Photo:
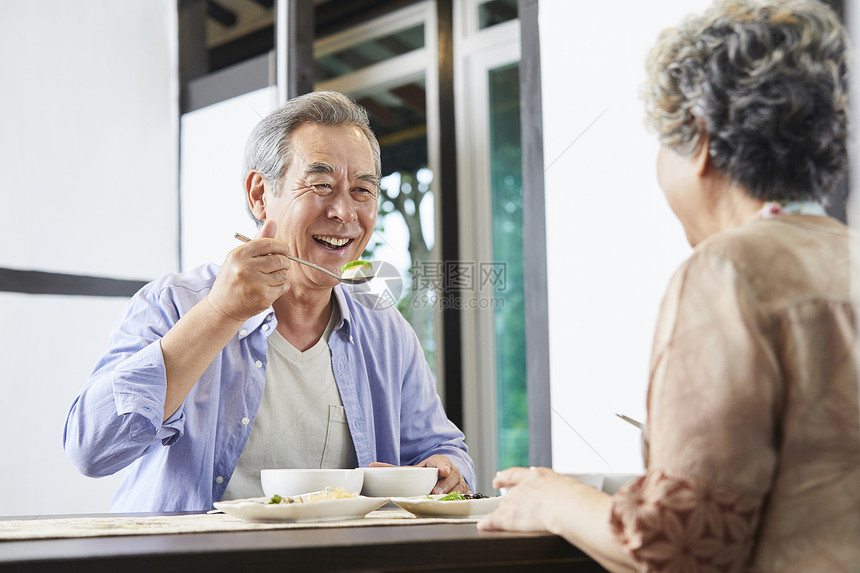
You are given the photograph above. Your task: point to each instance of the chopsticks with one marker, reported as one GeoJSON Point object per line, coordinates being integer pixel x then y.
{"type": "Point", "coordinates": [630, 421]}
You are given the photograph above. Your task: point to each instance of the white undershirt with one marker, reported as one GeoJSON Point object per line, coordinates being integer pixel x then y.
{"type": "Point", "coordinates": [301, 421]}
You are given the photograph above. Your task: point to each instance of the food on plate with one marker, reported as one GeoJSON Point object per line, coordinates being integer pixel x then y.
{"type": "Point", "coordinates": [452, 505]}
{"type": "Point", "coordinates": [356, 270]}
{"type": "Point", "coordinates": [326, 495]}
{"type": "Point", "coordinates": [457, 496]}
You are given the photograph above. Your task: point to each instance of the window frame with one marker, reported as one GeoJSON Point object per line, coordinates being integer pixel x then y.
{"type": "Point", "coordinates": [476, 53]}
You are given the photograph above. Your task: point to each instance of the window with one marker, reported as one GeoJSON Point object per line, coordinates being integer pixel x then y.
{"type": "Point", "coordinates": [488, 140]}
{"type": "Point", "coordinates": [388, 65]}
{"type": "Point", "coordinates": [495, 12]}
{"type": "Point", "coordinates": [506, 199]}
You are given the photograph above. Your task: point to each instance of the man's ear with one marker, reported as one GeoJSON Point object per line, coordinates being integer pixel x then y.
{"type": "Point", "coordinates": [255, 188]}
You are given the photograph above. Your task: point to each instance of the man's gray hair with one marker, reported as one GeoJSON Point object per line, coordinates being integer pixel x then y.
{"type": "Point", "coordinates": [269, 148]}
{"type": "Point", "coordinates": [766, 83]}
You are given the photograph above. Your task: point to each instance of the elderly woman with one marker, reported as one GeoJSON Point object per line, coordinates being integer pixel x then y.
{"type": "Point", "coordinates": [752, 444]}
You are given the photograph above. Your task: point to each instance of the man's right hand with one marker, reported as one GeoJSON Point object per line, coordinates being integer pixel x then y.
{"type": "Point", "coordinates": [253, 276]}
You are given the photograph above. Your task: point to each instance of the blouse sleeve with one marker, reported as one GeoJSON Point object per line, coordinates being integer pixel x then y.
{"type": "Point", "coordinates": [713, 400]}
{"type": "Point", "coordinates": [685, 523]}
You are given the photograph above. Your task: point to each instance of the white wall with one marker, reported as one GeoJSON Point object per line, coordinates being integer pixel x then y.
{"type": "Point", "coordinates": [213, 205]}
{"type": "Point", "coordinates": [612, 242]}
{"type": "Point", "coordinates": [88, 176]}
{"type": "Point", "coordinates": [47, 349]}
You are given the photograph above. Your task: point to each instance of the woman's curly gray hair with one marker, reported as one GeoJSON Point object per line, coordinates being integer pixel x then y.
{"type": "Point", "coordinates": [269, 149]}
{"type": "Point", "coordinates": [765, 83]}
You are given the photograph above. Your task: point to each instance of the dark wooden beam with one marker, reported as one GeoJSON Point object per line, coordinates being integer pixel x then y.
{"type": "Point", "coordinates": [301, 49]}
{"type": "Point", "coordinates": [241, 78]}
{"type": "Point", "coordinates": [449, 211]}
{"type": "Point", "coordinates": [380, 113]}
{"type": "Point", "coordinates": [193, 58]}
{"type": "Point", "coordinates": [413, 95]}
{"type": "Point", "coordinates": [220, 14]}
{"type": "Point", "coordinates": [242, 49]}
{"type": "Point", "coordinates": [40, 282]}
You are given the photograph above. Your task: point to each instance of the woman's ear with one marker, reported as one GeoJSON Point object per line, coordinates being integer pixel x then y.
{"type": "Point", "coordinates": [702, 158]}
{"type": "Point", "coordinates": [255, 187]}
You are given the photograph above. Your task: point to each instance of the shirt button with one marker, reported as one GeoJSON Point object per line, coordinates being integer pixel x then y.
{"type": "Point", "coordinates": [268, 317]}
{"type": "Point", "coordinates": [246, 421]}
{"type": "Point", "coordinates": [219, 479]}
{"type": "Point", "coordinates": [265, 327]}
{"type": "Point", "coordinates": [258, 364]}
{"type": "Point", "coordinates": [243, 332]}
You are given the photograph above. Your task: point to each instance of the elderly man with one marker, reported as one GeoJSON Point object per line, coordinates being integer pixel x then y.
{"type": "Point", "coordinates": [214, 374]}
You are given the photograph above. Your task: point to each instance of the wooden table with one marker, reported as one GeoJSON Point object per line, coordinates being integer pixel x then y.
{"type": "Point", "coordinates": [449, 547]}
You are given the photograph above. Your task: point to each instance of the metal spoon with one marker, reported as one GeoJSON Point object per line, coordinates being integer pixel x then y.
{"type": "Point", "coordinates": [355, 281]}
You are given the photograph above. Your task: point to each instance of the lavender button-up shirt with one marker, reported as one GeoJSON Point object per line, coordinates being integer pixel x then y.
{"type": "Point", "coordinates": [185, 462]}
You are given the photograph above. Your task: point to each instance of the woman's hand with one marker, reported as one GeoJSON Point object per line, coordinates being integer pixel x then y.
{"type": "Point", "coordinates": [533, 497]}
{"type": "Point", "coordinates": [539, 499]}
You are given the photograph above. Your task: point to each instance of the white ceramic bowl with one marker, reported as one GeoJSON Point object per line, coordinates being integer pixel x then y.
{"type": "Point", "coordinates": [404, 481]}
{"type": "Point", "coordinates": [609, 483]}
{"type": "Point", "coordinates": [288, 482]}
{"type": "Point", "coordinates": [613, 482]}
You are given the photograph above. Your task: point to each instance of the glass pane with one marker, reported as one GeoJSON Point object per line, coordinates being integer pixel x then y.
{"type": "Point", "coordinates": [509, 306]}
{"type": "Point", "coordinates": [211, 151]}
{"type": "Point", "coordinates": [495, 12]}
{"type": "Point", "coordinates": [368, 53]}
{"type": "Point", "coordinates": [404, 233]}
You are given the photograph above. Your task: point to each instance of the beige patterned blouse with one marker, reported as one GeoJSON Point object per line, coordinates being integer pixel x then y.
{"type": "Point", "coordinates": [753, 440]}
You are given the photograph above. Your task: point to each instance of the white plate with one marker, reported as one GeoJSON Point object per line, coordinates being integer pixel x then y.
{"type": "Point", "coordinates": [424, 507]}
{"type": "Point", "coordinates": [259, 509]}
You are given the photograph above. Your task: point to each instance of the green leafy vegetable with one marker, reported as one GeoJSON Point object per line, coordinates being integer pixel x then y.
{"type": "Point", "coordinates": [354, 264]}
{"type": "Point", "coordinates": [276, 499]}
{"type": "Point", "coordinates": [453, 496]}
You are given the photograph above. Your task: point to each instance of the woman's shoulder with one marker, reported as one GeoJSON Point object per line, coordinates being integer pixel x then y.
{"type": "Point", "coordinates": [798, 239]}
{"type": "Point", "coordinates": [780, 260]}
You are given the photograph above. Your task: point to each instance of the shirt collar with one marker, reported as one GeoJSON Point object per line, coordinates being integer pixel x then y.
{"type": "Point", "coordinates": [345, 316]}
{"type": "Point", "coordinates": [268, 316]}
{"type": "Point", "coordinates": [265, 317]}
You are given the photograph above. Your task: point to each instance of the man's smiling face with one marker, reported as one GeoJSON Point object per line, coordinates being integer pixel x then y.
{"type": "Point", "coordinates": [327, 206]}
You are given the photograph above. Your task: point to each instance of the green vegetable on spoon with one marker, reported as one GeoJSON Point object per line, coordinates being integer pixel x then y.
{"type": "Point", "coordinates": [355, 270]}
